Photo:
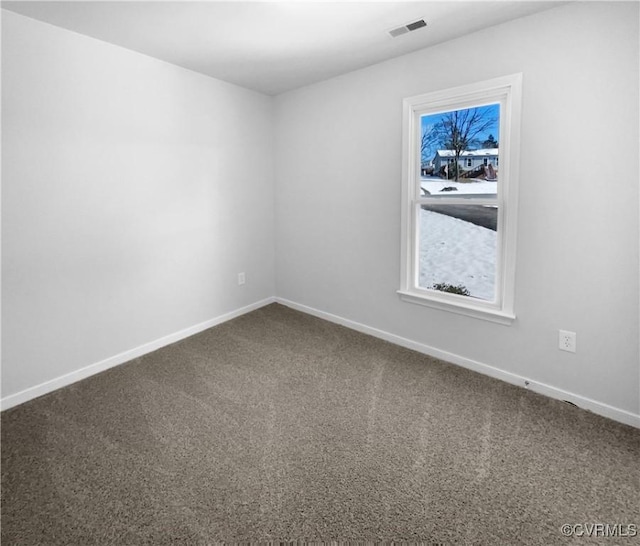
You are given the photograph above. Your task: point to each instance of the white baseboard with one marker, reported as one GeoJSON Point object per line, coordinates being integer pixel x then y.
{"type": "Point", "coordinates": [599, 408]}
{"type": "Point", "coordinates": [616, 414]}
{"type": "Point", "coordinates": [92, 369]}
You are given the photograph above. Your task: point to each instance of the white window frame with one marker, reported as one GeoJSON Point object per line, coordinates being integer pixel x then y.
{"type": "Point", "coordinates": [507, 91]}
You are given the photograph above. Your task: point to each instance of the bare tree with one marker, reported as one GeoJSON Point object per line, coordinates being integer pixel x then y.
{"type": "Point", "coordinates": [491, 142]}
{"type": "Point", "coordinates": [430, 136]}
{"type": "Point", "coordinates": [460, 130]}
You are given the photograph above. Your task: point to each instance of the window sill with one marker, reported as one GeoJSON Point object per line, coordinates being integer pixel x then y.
{"type": "Point", "coordinates": [493, 315]}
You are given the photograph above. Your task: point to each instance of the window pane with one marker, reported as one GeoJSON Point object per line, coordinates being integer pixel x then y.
{"type": "Point", "coordinates": [459, 151]}
{"type": "Point", "coordinates": [458, 249]}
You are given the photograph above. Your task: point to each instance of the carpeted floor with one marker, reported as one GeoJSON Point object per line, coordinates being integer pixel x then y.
{"type": "Point", "coordinates": [281, 426]}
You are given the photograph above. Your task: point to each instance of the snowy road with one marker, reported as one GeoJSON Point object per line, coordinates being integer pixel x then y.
{"type": "Point", "coordinates": [476, 214]}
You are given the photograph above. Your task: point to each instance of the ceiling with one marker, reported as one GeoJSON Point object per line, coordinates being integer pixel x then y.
{"type": "Point", "coordinates": [273, 47]}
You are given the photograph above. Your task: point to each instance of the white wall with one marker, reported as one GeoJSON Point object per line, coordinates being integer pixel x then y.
{"type": "Point", "coordinates": [338, 177]}
{"type": "Point", "coordinates": [133, 192]}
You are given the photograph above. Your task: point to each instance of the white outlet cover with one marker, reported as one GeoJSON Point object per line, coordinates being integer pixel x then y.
{"type": "Point", "coordinates": [567, 341]}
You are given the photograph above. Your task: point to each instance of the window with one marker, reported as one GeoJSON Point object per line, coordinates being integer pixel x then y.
{"type": "Point", "coordinates": [459, 225]}
{"type": "Point", "coordinates": [469, 162]}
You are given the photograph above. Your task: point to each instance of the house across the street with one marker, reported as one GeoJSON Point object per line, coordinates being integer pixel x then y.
{"type": "Point", "coordinates": [469, 159]}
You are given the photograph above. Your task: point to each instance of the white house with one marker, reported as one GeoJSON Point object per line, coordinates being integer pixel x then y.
{"type": "Point", "coordinates": [469, 159]}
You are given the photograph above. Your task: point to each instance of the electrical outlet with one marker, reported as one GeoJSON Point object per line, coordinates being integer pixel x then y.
{"type": "Point", "coordinates": [567, 341]}
{"type": "Point", "coordinates": [241, 279]}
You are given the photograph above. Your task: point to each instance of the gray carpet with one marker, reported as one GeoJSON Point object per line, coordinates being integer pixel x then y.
{"type": "Point", "coordinates": [281, 426]}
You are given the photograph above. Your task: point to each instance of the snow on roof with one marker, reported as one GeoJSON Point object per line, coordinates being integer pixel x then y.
{"type": "Point", "coordinates": [468, 153]}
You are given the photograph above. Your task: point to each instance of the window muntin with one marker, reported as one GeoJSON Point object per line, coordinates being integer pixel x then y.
{"type": "Point", "coordinates": [458, 239]}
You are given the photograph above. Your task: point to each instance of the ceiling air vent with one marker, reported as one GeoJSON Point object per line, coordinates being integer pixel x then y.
{"type": "Point", "coordinates": [409, 27]}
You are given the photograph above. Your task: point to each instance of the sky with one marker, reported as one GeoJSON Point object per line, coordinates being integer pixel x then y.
{"type": "Point", "coordinates": [493, 110]}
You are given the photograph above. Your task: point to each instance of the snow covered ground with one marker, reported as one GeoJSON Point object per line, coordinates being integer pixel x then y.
{"type": "Point", "coordinates": [457, 252]}
{"type": "Point", "coordinates": [434, 186]}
